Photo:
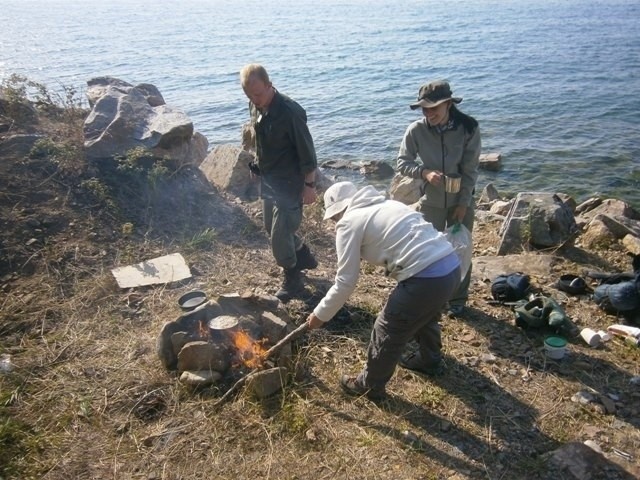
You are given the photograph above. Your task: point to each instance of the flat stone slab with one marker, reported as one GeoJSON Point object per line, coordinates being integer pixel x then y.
{"type": "Point", "coordinates": [166, 269]}
{"type": "Point", "coordinates": [489, 267]}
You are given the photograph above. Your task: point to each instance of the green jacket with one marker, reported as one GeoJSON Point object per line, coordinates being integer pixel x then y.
{"type": "Point", "coordinates": [456, 150]}
{"type": "Point", "coordinates": [284, 149]}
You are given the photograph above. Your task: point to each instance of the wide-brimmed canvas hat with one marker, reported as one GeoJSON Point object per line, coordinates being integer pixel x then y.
{"type": "Point", "coordinates": [337, 198]}
{"type": "Point", "coordinates": [433, 94]}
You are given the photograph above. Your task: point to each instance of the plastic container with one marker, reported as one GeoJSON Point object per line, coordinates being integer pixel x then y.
{"type": "Point", "coordinates": [591, 337]}
{"type": "Point", "coordinates": [606, 336]}
{"type": "Point", "coordinates": [555, 347]}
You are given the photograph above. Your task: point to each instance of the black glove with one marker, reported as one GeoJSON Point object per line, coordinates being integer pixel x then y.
{"type": "Point", "coordinates": [253, 167]}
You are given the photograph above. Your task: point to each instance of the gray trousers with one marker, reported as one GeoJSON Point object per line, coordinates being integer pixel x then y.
{"type": "Point", "coordinates": [441, 218]}
{"type": "Point", "coordinates": [282, 223]}
{"type": "Point", "coordinates": [412, 311]}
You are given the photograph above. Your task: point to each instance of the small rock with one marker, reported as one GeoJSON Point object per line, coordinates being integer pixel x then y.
{"type": "Point", "coordinates": [593, 445]}
{"type": "Point", "coordinates": [609, 405]}
{"type": "Point", "coordinates": [268, 382]}
{"type": "Point", "coordinates": [6, 366]}
{"type": "Point", "coordinates": [488, 358]}
{"type": "Point", "coordinates": [410, 436]}
{"type": "Point", "coordinates": [200, 378]}
{"type": "Point", "coordinates": [583, 397]}
{"type": "Point", "coordinates": [31, 241]}
{"type": "Point", "coordinates": [311, 435]}
{"type": "Point", "coordinates": [468, 336]}
{"type": "Point", "coordinates": [445, 425]}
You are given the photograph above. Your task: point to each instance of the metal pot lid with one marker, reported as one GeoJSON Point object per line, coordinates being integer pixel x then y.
{"type": "Point", "coordinates": [223, 322]}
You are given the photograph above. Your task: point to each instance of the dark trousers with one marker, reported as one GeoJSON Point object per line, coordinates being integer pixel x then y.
{"type": "Point", "coordinates": [412, 311]}
{"type": "Point", "coordinates": [281, 223]}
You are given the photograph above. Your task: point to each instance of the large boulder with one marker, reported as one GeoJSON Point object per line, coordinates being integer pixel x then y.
{"type": "Point", "coordinates": [606, 222]}
{"type": "Point", "coordinates": [538, 220]}
{"type": "Point", "coordinates": [405, 189]}
{"type": "Point", "coordinates": [124, 117]}
{"type": "Point", "coordinates": [98, 86]}
{"type": "Point", "coordinates": [227, 167]}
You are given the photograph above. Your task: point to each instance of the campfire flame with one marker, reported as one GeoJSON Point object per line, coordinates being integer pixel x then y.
{"type": "Point", "coordinates": [249, 351]}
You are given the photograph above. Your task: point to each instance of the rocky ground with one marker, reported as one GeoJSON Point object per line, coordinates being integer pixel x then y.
{"type": "Point", "coordinates": [83, 395]}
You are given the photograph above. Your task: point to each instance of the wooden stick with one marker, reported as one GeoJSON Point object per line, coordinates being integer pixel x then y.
{"type": "Point", "coordinates": [236, 386]}
{"type": "Point", "coordinates": [268, 354]}
{"type": "Point", "coordinates": [287, 338]}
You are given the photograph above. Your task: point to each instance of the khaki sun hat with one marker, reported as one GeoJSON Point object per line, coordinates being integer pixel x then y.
{"type": "Point", "coordinates": [433, 94]}
{"type": "Point", "coordinates": [337, 198]}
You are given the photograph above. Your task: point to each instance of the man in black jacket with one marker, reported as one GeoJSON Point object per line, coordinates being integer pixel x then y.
{"type": "Point", "coordinates": [287, 167]}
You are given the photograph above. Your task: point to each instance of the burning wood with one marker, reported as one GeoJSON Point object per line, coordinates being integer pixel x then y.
{"type": "Point", "coordinates": [249, 351]}
{"type": "Point", "coordinates": [261, 361]}
{"type": "Point", "coordinates": [288, 338]}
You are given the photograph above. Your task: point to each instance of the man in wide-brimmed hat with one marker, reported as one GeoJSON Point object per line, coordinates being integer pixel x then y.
{"type": "Point", "coordinates": [444, 143]}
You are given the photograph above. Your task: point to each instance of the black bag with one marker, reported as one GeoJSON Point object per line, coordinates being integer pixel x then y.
{"type": "Point", "coordinates": [510, 287]}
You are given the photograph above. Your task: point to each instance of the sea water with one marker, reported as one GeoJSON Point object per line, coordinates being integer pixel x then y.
{"type": "Point", "coordinates": [555, 85]}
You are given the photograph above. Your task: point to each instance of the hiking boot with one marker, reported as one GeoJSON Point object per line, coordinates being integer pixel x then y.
{"type": "Point", "coordinates": [291, 286]}
{"type": "Point", "coordinates": [304, 259]}
{"type": "Point", "coordinates": [413, 361]}
{"type": "Point", "coordinates": [351, 386]}
{"type": "Point", "coordinates": [455, 311]}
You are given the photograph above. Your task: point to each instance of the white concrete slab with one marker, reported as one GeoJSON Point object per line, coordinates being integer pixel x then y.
{"type": "Point", "coordinates": [166, 269]}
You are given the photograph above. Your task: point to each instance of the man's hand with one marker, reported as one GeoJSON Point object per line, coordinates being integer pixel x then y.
{"type": "Point", "coordinates": [309, 195]}
{"type": "Point", "coordinates": [314, 322]}
{"type": "Point", "coordinates": [460, 212]}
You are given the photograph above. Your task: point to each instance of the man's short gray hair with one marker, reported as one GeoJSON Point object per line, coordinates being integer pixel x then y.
{"type": "Point", "coordinates": [253, 70]}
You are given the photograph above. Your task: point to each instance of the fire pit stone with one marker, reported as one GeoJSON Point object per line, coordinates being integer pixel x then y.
{"type": "Point", "coordinates": [273, 327]}
{"type": "Point", "coordinates": [202, 355]}
{"type": "Point", "coordinates": [266, 383]}
{"type": "Point", "coordinates": [200, 378]}
{"type": "Point", "coordinates": [189, 344]}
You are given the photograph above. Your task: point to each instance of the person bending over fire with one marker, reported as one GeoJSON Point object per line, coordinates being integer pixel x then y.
{"type": "Point", "coordinates": [391, 234]}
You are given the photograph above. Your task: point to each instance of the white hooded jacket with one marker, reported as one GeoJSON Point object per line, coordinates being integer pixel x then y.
{"type": "Point", "coordinates": [382, 232]}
